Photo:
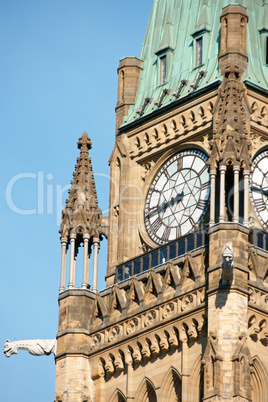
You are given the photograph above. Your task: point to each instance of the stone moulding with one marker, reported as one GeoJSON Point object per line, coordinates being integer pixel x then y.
{"type": "Point", "coordinates": [258, 298]}
{"type": "Point", "coordinates": [151, 318]}
{"type": "Point", "coordinates": [199, 117]}
{"type": "Point", "coordinates": [148, 345]}
{"type": "Point", "coordinates": [257, 327]}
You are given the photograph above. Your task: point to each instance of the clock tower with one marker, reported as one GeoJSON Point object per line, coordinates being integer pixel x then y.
{"type": "Point", "coordinates": [184, 315]}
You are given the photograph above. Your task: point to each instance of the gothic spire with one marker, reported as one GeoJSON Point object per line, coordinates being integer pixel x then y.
{"type": "Point", "coordinates": [82, 214]}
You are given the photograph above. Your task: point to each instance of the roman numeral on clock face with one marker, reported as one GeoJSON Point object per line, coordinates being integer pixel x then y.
{"type": "Point", "coordinates": [166, 234]}
{"type": "Point", "coordinates": [260, 205]}
{"type": "Point", "coordinates": [180, 163]}
{"type": "Point", "coordinates": [205, 185]}
{"type": "Point", "coordinates": [202, 204]}
{"type": "Point", "coordinates": [156, 225]}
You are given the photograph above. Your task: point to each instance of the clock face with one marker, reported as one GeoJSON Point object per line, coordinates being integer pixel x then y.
{"type": "Point", "coordinates": [178, 196]}
{"type": "Point", "coordinates": [259, 187]}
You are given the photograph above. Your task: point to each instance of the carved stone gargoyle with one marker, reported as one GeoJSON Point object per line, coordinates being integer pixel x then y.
{"type": "Point", "coordinates": [227, 265]}
{"type": "Point", "coordinates": [36, 347]}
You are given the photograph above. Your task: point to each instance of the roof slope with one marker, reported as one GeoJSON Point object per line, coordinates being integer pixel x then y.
{"type": "Point", "coordinates": [172, 29]}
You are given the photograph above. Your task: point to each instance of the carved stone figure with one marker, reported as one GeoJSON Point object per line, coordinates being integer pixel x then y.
{"type": "Point", "coordinates": [227, 264]}
{"type": "Point", "coordinates": [36, 347]}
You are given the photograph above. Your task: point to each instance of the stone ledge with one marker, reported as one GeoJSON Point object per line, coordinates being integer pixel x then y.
{"type": "Point", "coordinates": [71, 353]}
{"type": "Point", "coordinates": [260, 309]}
{"type": "Point", "coordinates": [219, 266]}
{"type": "Point", "coordinates": [77, 292]}
{"type": "Point", "coordinates": [231, 289]}
{"type": "Point", "coordinates": [72, 331]}
{"type": "Point", "coordinates": [229, 226]}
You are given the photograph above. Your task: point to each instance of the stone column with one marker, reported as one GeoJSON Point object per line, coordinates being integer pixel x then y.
{"type": "Point", "coordinates": [86, 262]}
{"type": "Point", "coordinates": [130, 383]}
{"type": "Point", "coordinates": [222, 193]}
{"type": "Point", "coordinates": [63, 264]}
{"type": "Point", "coordinates": [236, 194]}
{"type": "Point", "coordinates": [212, 197]}
{"type": "Point", "coordinates": [246, 195]}
{"type": "Point", "coordinates": [72, 261]}
{"type": "Point", "coordinates": [227, 302]}
{"type": "Point", "coordinates": [96, 246]}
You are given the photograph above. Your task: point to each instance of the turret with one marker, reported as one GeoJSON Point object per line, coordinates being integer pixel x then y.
{"type": "Point", "coordinates": [234, 21]}
{"type": "Point", "coordinates": [81, 220]}
{"type": "Point", "coordinates": [128, 79]}
{"type": "Point", "coordinates": [230, 158]}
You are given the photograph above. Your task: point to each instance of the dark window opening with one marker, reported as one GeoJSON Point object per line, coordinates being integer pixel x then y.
{"type": "Point", "coordinates": [145, 263]}
{"type": "Point", "coordinates": [172, 251]}
{"type": "Point", "coordinates": [266, 51]}
{"type": "Point", "coordinates": [260, 240]}
{"type": "Point", "coordinates": [137, 267]}
{"type": "Point", "coordinates": [154, 259]}
{"type": "Point", "coordinates": [190, 243]}
{"type": "Point", "coordinates": [163, 255]}
{"type": "Point", "coordinates": [163, 69]}
{"type": "Point", "coordinates": [199, 51]}
{"type": "Point", "coordinates": [181, 247]}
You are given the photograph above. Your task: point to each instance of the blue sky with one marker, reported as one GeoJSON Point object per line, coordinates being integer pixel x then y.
{"type": "Point", "coordinates": [58, 79]}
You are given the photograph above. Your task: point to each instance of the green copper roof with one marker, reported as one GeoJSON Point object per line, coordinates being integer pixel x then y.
{"type": "Point", "coordinates": [172, 30]}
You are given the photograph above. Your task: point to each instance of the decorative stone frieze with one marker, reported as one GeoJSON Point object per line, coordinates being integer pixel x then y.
{"type": "Point", "coordinates": [259, 113]}
{"type": "Point", "coordinates": [258, 298]}
{"type": "Point", "coordinates": [152, 318]}
{"type": "Point", "coordinates": [257, 328]}
{"type": "Point", "coordinates": [183, 123]}
{"type": "Point", "coordinates": [149, 345]}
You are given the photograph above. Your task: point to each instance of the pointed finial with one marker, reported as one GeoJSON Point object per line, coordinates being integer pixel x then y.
{"type": "Point", "coordinates": [84, 143]}
{"type": "Point", "coordinates": [203, 21]}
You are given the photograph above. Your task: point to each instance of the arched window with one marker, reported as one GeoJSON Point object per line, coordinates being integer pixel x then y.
{"type": "Point", "coordinates": [146, 392]}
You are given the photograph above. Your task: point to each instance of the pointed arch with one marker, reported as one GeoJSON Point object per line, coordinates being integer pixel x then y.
{"type": "Point", "coordinates": [191, 116]}
{"type": "Point", "coordinates": [201, 112]}
{"type": "Point", "coordinates": [259, 381]}
{"type": "Point", "coordinates": [264, 113]}
{"type": "Point", "coordinates": [146, 391]}
{"type": "Point", "coordinates": [118, 396]}
{"type": "Point", "coordinates": [210, 108]}
{"type": "Point", "coordinates": [255, 108]}
{"type": "Point", "coordinates": [164, 129]}
{"type": "Point", "coordinates": [182, 121]}
{"type": "Point", "coordinates": [121, 86]}
{"type": "Point", "coordinates": [173, 125]}
{"type": "Point", "coordinates": [196, 382]}
{"type": "Point", "coordinates": [137, 142]}
{"type": "Point", "coordinates": [171, 386]}
{"type": "Point", "coordinates": [146, 138]}
{"type": "Point", "coordinates": [155, 134]}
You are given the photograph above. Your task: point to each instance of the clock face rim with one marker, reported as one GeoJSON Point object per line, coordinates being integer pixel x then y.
{"type": "Point", "coordinates": [257, 207]}
{"type": "Point", "coordinates": [157, 172]}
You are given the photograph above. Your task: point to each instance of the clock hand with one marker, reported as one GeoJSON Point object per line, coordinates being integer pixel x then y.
{"type": "Point", "coordinates": [164, 206]}
{"type": "Point", "coordinates": [260, 190]}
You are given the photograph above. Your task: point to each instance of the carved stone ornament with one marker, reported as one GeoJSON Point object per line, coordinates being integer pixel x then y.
{"type": "Point", "coordinates": [114, 333]}
{"type": "Point", "coordinates": [187, 302]}
{"type": "Point", "coordinates": [168, 310]}
{"type": "Point", "coordinates": [132, 326]}
{"type": "Point", "coordinates": [36, 347]}
{"type": "Point", "coordinates": [150, 318]}
{"type": "Point", "coordinates": [258, 297]}
{"type": "Point", "coordinates": [227, 264]}
{"type": "Point", "coordinates": [96, 341]}
{"type": "Point", "coordinates": [257, 141]}
{"type": "Point", "coordinates": [146, 168]}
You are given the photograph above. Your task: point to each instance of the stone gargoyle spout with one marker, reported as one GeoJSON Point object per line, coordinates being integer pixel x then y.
{"type": "Point", "coordinates": [36, 347]}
